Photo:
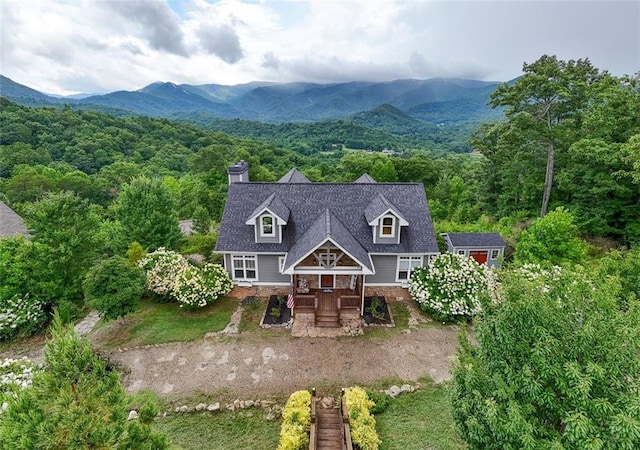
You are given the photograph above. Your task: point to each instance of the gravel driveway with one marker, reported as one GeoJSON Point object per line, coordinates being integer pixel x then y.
{"type": "Point", "coordinates": [249, 365]}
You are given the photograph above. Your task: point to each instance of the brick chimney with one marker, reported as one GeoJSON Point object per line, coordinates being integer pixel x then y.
{"type": "Point", "coordinates": [238, 172]}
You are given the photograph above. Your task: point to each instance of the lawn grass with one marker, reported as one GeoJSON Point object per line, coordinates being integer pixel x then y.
{"type": "Point", "coordinates": [225, 430]}
{"type": "Point", "coordinates": [157, 323]}
{"type": "Point", "coordinates": [252, 315]}
{"type": "Point", "coordinates": [412, 421]}
{"type": "Point", "coordinates": [418, 421]}
{"type": "Point", "coordinates": [400, 315]}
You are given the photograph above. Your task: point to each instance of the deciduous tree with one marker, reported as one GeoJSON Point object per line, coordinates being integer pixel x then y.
{"type": "Point", "coordinates": [552, 368]}
{"type": "Point", "coordinates": [146, 210]}
{"type": "Point", "coordinates": [113, 287]}
{"type": "Point", "coordinates": [546, 103]}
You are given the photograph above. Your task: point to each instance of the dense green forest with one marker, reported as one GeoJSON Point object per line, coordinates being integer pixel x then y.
{"type": "Point", "coordinates": [384, 127]}
{"type": "Point", "coordinates": [593, 129]}
{"type": "Point", "coordinates": [558, 176]}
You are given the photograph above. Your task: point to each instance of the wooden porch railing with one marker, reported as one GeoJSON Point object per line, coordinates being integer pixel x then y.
{"type": "Point", "coordinates": [313, 432]}
{"type": "Point", "coordinates": [345, 420]}
{"type": "Point", "coordinates": [349, 301]}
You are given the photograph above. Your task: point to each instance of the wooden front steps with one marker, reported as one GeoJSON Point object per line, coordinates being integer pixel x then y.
{"type": "Point", "coordinates": [328, 318]}
{"type": "Point", "coordinates": [329, 424]}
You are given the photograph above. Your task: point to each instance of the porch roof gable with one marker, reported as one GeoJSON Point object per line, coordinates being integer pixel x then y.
{"type": "Point", "coordinates": [327, 227]}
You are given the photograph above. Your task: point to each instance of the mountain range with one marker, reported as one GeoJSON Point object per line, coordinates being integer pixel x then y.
{"type": "Point", "coordinates": [400, 108]}
{"type": "Point", "coordinates": [427, 100]}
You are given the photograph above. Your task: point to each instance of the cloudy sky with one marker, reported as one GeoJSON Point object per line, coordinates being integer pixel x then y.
{"type": "Point", "coordinates": [70, 46]}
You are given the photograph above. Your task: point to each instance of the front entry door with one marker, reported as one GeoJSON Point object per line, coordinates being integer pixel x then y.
{"type": "Point", "coordinates": [327, 281]}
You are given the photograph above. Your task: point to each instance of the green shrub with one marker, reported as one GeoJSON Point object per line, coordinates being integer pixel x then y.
{"type": "Point", "coordinates": [380, 401]}
{"type": "Point", "coordinates": [296, 422]}
{"type": "Point", "coordinates": [361, 422]}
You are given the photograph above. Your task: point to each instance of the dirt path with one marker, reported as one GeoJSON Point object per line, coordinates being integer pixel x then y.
{"type": "Point", "coordinates": [251, 365]}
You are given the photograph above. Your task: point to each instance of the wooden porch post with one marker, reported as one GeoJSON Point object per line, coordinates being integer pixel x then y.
{"type": "Point", "coordinates": [362, 295]}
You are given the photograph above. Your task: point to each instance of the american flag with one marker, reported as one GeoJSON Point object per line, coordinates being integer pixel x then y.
{"type": "Point", "coordinates": [290, 300]}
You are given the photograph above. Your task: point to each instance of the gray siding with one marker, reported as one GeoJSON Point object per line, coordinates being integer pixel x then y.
{"type": "Point", "coordinates": [385, 266]}
{"type": "Point", "coordinates": [268, 270]}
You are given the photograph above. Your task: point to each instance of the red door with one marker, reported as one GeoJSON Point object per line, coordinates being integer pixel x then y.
{"type": "Point", "coordinates": [326, 281]}
{"type": "Point", "coordinates": [479, 256]}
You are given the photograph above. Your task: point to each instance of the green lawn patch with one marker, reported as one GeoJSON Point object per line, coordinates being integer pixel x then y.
{"type": "Point", "coordinates": [247, 430]}
{"type": "Point", "coordinates": [157, 323]}
{"type": "Point", "coordinates": [252, 315]}
{"type": "Point", "coordinates": [419, 420]}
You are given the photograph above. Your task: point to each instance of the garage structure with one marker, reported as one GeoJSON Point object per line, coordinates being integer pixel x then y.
{"type": "Point", "coordinates": [485, 248]}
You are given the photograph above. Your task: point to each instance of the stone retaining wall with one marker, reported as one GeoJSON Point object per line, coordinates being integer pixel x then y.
{"type": "Point", "coordinates": [258, 291]}
{"type": "Point", "coordinates": [389, 292]}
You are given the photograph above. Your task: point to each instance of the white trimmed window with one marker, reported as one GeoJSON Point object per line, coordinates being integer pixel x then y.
{"type": "Point", "coordinates": [388, 227]}
{"type": "Point", "coordinates": [495, 253]}
{"type": "Point", "coordinates": [267, 226]}
{"type": "Point", "coordinates": [406, 264]}
{"type": "Point", "coordinates": [244, 267]}
{"type": "Point", "coordinates": [462, 252]}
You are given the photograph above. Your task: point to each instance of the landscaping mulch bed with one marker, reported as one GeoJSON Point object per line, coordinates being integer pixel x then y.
{"type": "Point", "coordinates": [282, 317]}
{"type": "Point", "coordinates": [382, 315]}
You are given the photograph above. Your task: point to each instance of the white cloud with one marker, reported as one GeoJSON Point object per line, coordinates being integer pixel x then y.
{"type": "Point", "coordinates": [87, 45]}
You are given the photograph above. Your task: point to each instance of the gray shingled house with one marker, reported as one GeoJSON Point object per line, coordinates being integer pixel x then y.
{"type": "Point", "coordinates": [325, 243]}
{"type": "Point", "coordinates": [485, 248]}
{"type": "Point", "coordinates": [11, 223]}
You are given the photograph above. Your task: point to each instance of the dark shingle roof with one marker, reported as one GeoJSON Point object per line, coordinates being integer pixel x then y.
{"type": "Point", "coordinates": [378, 206]}
{"type": "Point", "coordinates": [346, 201]}
{"type": "Point", "coordinates": [275, 205]}
{"type": "Point", "coordinates": [476, 240]}
{"type": "Point", "coordinates": [327, 226]}
{"type": "Point", "coordinates": [11, 223]}
{"type": "Point", "coordinates": [294, 176]}
{"type": "Point", "coordinates": [365, 178]}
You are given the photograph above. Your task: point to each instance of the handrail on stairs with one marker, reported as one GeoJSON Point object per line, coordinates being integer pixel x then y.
{"type": "Point", "coordinates": [313, 432]}
{"type": "Point", "coordinates": [345, 420]}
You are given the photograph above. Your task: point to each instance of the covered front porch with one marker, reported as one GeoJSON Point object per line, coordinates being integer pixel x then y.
{"type": "Point", "coordinates": [328, 300]}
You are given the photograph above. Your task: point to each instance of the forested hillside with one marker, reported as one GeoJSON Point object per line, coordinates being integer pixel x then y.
{"type": "Point", "coordinates": [594, 127]}
{"type": "Point", "coordinates": [436, 113]}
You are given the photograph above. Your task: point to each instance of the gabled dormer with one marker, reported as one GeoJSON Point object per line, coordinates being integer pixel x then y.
{"type": "Point", "coordinates": [268, 219]}
{"type": "Point", "coordinates": [385, 220]}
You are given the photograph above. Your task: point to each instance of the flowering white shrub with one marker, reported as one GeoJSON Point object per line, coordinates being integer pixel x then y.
{"type": "Point", "coordinates": [169, 274]}
{"type": "Point", "coordinates": [555, 281]}
{"type": "Point", "coordinates": [21, 314]}
{"type": "Point", "coordinates": [450, 288]}
{"type": "Point", "coordinates": [162, 268]}
{"type": "Point", "coordinates": [15, 374]}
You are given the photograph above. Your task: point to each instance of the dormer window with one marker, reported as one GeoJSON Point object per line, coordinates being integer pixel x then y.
{"type": "Point", "coordinates": [388, 227]}
{"type": "Point", "coordinates": [267, 228]}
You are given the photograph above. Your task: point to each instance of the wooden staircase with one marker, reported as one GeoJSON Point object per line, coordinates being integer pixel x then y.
{"type": "Point", "coordinates": [328, 318]}
{"type": "Point", "coordinates": [329, 426]}
{"type": "Point", "coordinates": [330, 429]}
{"type": "Point", "coordinates": [327, 314]}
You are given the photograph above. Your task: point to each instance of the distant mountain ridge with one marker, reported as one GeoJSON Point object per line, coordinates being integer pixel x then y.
{"type": "Point", "coordinates": [280, 102]}
{"type": "Point", "coordinates": [400, 113]}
